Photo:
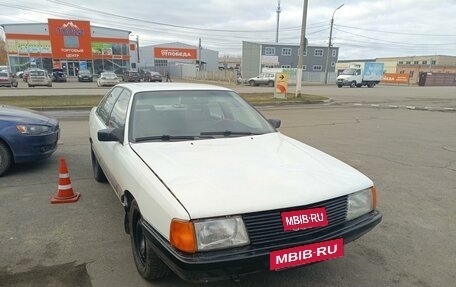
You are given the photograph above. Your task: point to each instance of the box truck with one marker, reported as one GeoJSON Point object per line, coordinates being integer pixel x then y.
{"type": "Point", "coordinates": [361, 74]}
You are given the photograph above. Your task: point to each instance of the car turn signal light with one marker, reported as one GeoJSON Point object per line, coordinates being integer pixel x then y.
{"type": "Point", "coordinates": [182, 235]}
{"type": "Point", "coordinates": [374, 197]}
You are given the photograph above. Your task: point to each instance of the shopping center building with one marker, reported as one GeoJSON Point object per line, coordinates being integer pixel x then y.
{"type": "Point", "coordinates": [71, 45]}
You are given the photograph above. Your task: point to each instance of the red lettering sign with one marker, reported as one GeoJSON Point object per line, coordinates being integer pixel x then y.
{"type": "Point", "coordinates": [305, 254]}
{"type": "Point", "coordinates": [70, 39]}
{"type": "Point", "coordinates": [302, 219]}
{"type": "Point", "coordinates": [175, 53]}
{"type": "Point", "coordinates": [396, 78]}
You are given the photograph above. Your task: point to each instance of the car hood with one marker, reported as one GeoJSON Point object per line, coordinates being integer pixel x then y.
{"type": "Point", "coordinates": [345, 77]}
{"type": "Point", "coordinates": [230, 176]}
{"type": "Point", "coordinates": [24, 116]}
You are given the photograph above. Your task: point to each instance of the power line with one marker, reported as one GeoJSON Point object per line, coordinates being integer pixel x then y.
{"type": "Point", "coordinates": [399, 33]}
{"type": "Point", "coordinates": [394, 42]}
{"type": "Point", "coordinates": [159, 23]}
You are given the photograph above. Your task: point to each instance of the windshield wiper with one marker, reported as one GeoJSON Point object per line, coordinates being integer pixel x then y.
{"type": "Point", "coordinates": [171, 137]}
{"type": "Point", "coordinates": [163, 138]}
{"type": "Point", "coordinates": [227, 133]}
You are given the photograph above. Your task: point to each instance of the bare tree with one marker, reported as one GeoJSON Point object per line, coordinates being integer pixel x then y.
{"type": "Point", "coordinates": [3, 58]}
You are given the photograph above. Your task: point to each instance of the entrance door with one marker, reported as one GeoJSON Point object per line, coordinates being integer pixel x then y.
{"type": "Point", "coordinates": [71, 68]}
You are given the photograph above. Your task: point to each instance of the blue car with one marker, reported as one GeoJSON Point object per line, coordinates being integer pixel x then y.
{"type": "Point", "coordinates": [25, 135]}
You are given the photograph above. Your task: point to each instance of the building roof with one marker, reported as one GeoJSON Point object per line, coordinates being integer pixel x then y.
{"type": "Point", "coordinates": [288, 44]}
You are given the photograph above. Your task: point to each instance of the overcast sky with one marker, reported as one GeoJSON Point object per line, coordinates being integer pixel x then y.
{"type": "Point", "coordinates": [362, 28]}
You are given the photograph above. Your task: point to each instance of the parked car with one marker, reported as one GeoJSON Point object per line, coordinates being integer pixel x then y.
{"type": "Point", "coordinates": [37, 77]}
{"type": "Point", "coordinates": [211, 190]}
{"type": "Point", "coordinates": [262, 79]}
{"type": "Point", "coordinates": [25, 135]}
{"type": "Point", "coordinates": [85, 76]}
{"type": "Point", "coordinates": [58, 75]}
{"type": "Point", "coordinates": [151, 76]}
{"type": "Point", "coordinates": [131, 76]}
{"type": "Point", "coordinates": [107, 79]}
{"type": "Point", "coordinates": [7, 79]}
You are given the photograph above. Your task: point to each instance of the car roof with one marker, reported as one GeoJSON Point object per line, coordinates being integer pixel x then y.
{"type": "Point", "coordinates": [146, 87]}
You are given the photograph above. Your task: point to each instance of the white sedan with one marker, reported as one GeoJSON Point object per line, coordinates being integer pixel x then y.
{"type": "Point", "coordinates": [212, 191]}
{"type": "Point", "coordinates": [107, 79]}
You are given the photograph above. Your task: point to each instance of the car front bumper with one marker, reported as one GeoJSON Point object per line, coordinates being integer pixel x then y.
{"type": "Point", "coordinates": [34, 147]}
{"type": "Point", "coordinates": [238, 262]}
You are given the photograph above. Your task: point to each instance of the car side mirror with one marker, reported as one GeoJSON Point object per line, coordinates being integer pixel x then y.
{"type": "Point", "coordinates": [111, 135]}
{"type": "Point", "coordinates": [275, 123]}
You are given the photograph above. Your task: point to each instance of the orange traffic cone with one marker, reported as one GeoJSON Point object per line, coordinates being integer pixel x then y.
{"type": "Point", "coordinates": [65, 193]}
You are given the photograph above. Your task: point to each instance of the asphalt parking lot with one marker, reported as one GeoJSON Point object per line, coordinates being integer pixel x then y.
{"type": "Point", "coordinates": [410, 154]}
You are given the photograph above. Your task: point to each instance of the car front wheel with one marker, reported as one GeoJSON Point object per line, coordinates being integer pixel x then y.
{"type": "Point", "coordinates": [5, 158]}
{"type": "Point", "coordinates": [149, 265]}
{"type": "Point", "coordinates": [98, 172]}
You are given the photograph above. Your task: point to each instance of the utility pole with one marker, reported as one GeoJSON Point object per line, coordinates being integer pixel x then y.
{"type": "Point", "coordinates": [199, 55]}
{"type": "Point", "coordinates": [302, 47]}
{"type": "Point", "coordinates": [137, 51]}
{"type": "Point", "coordinates": [278, 19]}
{"type": "Point", "coordinates": [330, 44]}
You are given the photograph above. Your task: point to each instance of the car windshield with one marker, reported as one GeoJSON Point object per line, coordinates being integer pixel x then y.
{"type": "Point", "coordinates": [349, 72]}
{"type": "Point", "coordinates": [108, 75]}
{"type": "Point", "coordinates": [188, 115]}
{"type": "Point", "coordinates": [84, 72]}
{"type": "Point", "coordinates": [36, 73]}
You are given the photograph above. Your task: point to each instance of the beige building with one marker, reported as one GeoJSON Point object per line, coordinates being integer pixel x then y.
{"type": "Point", "coordinates": [412, 65]}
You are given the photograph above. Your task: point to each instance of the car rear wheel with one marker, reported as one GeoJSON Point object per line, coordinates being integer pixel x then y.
{"type": "Point", "coordinates": [98, 172]}
{"type": "Point", "coordinates": [6, 159]}
{"type": "Point", "coordinates": [271, 83]}
{"type": "Point", "coordinates": [149, 265]}
{"type": "Point", "coordinates": [353, 84]}
{"type": "Point", "coordinates": [252, 83]}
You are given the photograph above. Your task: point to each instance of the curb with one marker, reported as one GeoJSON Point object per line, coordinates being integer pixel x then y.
{"type": "Point", "coordinates": [412, 108]}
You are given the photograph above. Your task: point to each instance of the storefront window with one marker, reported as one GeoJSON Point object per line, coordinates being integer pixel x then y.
{"type": "Point", "coordinates": [98, 66]}
{"type": "Point", "coordinates": [19, 63]}
{"type": "Point", "coordinates": [46, 64]}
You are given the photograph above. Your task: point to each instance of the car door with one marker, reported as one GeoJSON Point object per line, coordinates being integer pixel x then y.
{"type": "Point", "coordinates": [114, 152]}
{"type": "Point", "coordinates": [102, 116]}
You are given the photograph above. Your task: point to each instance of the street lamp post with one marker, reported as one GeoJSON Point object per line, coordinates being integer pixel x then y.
{"type": "Point", "coordinates": [329, 43]}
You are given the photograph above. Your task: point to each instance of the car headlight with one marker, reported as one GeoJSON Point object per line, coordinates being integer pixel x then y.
{"type": "Point", "coordinates": [32, 129]}
{"type": "Point", "coordinates": [208, 234]}
{"type": "Point", "coordinates": [361, 202]}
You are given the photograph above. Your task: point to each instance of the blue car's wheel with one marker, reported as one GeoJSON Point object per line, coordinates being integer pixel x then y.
{"type": "Point", "coordinates": [5, 158]}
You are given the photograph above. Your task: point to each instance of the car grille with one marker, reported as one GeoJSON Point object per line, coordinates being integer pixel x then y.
{"type": "Point", "coordinates": [266, 227]}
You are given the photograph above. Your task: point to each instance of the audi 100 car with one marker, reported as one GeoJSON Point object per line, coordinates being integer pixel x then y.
{"type": "Point", "coordinates": [212, 190]}
{"type": "Point", "coordinates": [25, 135]}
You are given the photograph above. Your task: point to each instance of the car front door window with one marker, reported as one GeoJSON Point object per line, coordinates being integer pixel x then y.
{"type": "Point", "coordinates": [107, 103]}
{"type": "Point", "coordinates": [119, 112]}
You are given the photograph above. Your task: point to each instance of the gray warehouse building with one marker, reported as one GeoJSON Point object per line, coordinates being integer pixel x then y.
{"type": "Point", "coordinates": [177, 58]}
{"type": "Point", "coordinates": [258, 56]}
